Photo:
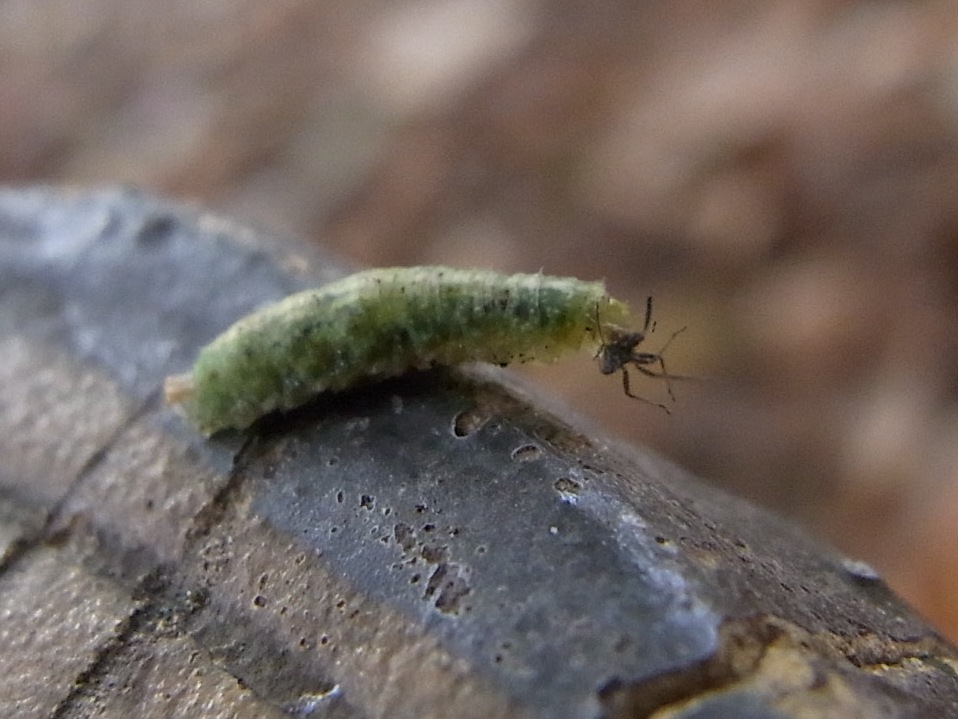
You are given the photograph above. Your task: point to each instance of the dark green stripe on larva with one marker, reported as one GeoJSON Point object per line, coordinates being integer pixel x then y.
{"type": "Point", "coordinates": [384, 322]}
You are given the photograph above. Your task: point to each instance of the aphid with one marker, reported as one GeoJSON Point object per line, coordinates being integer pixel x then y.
{"type": "Point", "coordinates": [381, 323]}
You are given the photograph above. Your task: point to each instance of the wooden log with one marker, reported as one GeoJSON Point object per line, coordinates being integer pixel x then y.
{"type": "Point", "coordinates": [432, 546]}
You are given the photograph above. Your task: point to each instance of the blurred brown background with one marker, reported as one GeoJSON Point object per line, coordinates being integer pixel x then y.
{"type": "Point", "coordinates": [781, 176]}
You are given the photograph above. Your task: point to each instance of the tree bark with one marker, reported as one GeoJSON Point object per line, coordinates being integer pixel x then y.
{"type": "Point", "coordinates": [431, 546]}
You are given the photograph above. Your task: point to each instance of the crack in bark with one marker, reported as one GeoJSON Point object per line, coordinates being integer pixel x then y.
{"type": "Point", "coordinates": [771, 657]}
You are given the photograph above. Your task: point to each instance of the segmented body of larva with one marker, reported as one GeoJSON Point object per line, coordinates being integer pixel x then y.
{"type": "Point", "coordinates": [384, 322]}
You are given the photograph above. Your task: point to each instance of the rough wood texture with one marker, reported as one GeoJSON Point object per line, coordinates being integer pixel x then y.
{"type": "Point", "coordinates": [428, 547]}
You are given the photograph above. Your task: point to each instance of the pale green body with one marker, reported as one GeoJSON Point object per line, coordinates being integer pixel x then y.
{"type": "Point", "coordinates": [382, 323]}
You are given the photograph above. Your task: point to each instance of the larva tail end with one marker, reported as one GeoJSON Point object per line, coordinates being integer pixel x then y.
{"type": "Point", "coordinates": [178, 388]}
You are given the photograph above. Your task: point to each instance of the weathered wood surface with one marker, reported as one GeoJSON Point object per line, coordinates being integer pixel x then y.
{"type": "Point", "coordinates": [433, 546]}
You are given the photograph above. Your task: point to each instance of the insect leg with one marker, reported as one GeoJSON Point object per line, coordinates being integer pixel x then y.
{"type": "Point", "coordinates": [598, 329]}
{"type": "Point", "coordinates": [640, 359]}
{"type": "Point", "coordinates": [628, 392]}
{"type": "Point", "coordinates": [664, 374]}
{"type": "Point", "coordinates": [674, 335]}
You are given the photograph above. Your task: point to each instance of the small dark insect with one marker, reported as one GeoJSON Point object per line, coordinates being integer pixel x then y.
{"type": "Point", "coordinates": [618, 350]}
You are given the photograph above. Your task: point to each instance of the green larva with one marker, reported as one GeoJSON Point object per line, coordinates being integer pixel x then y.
{"type": "Point", "coordinates": [384, 322]}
